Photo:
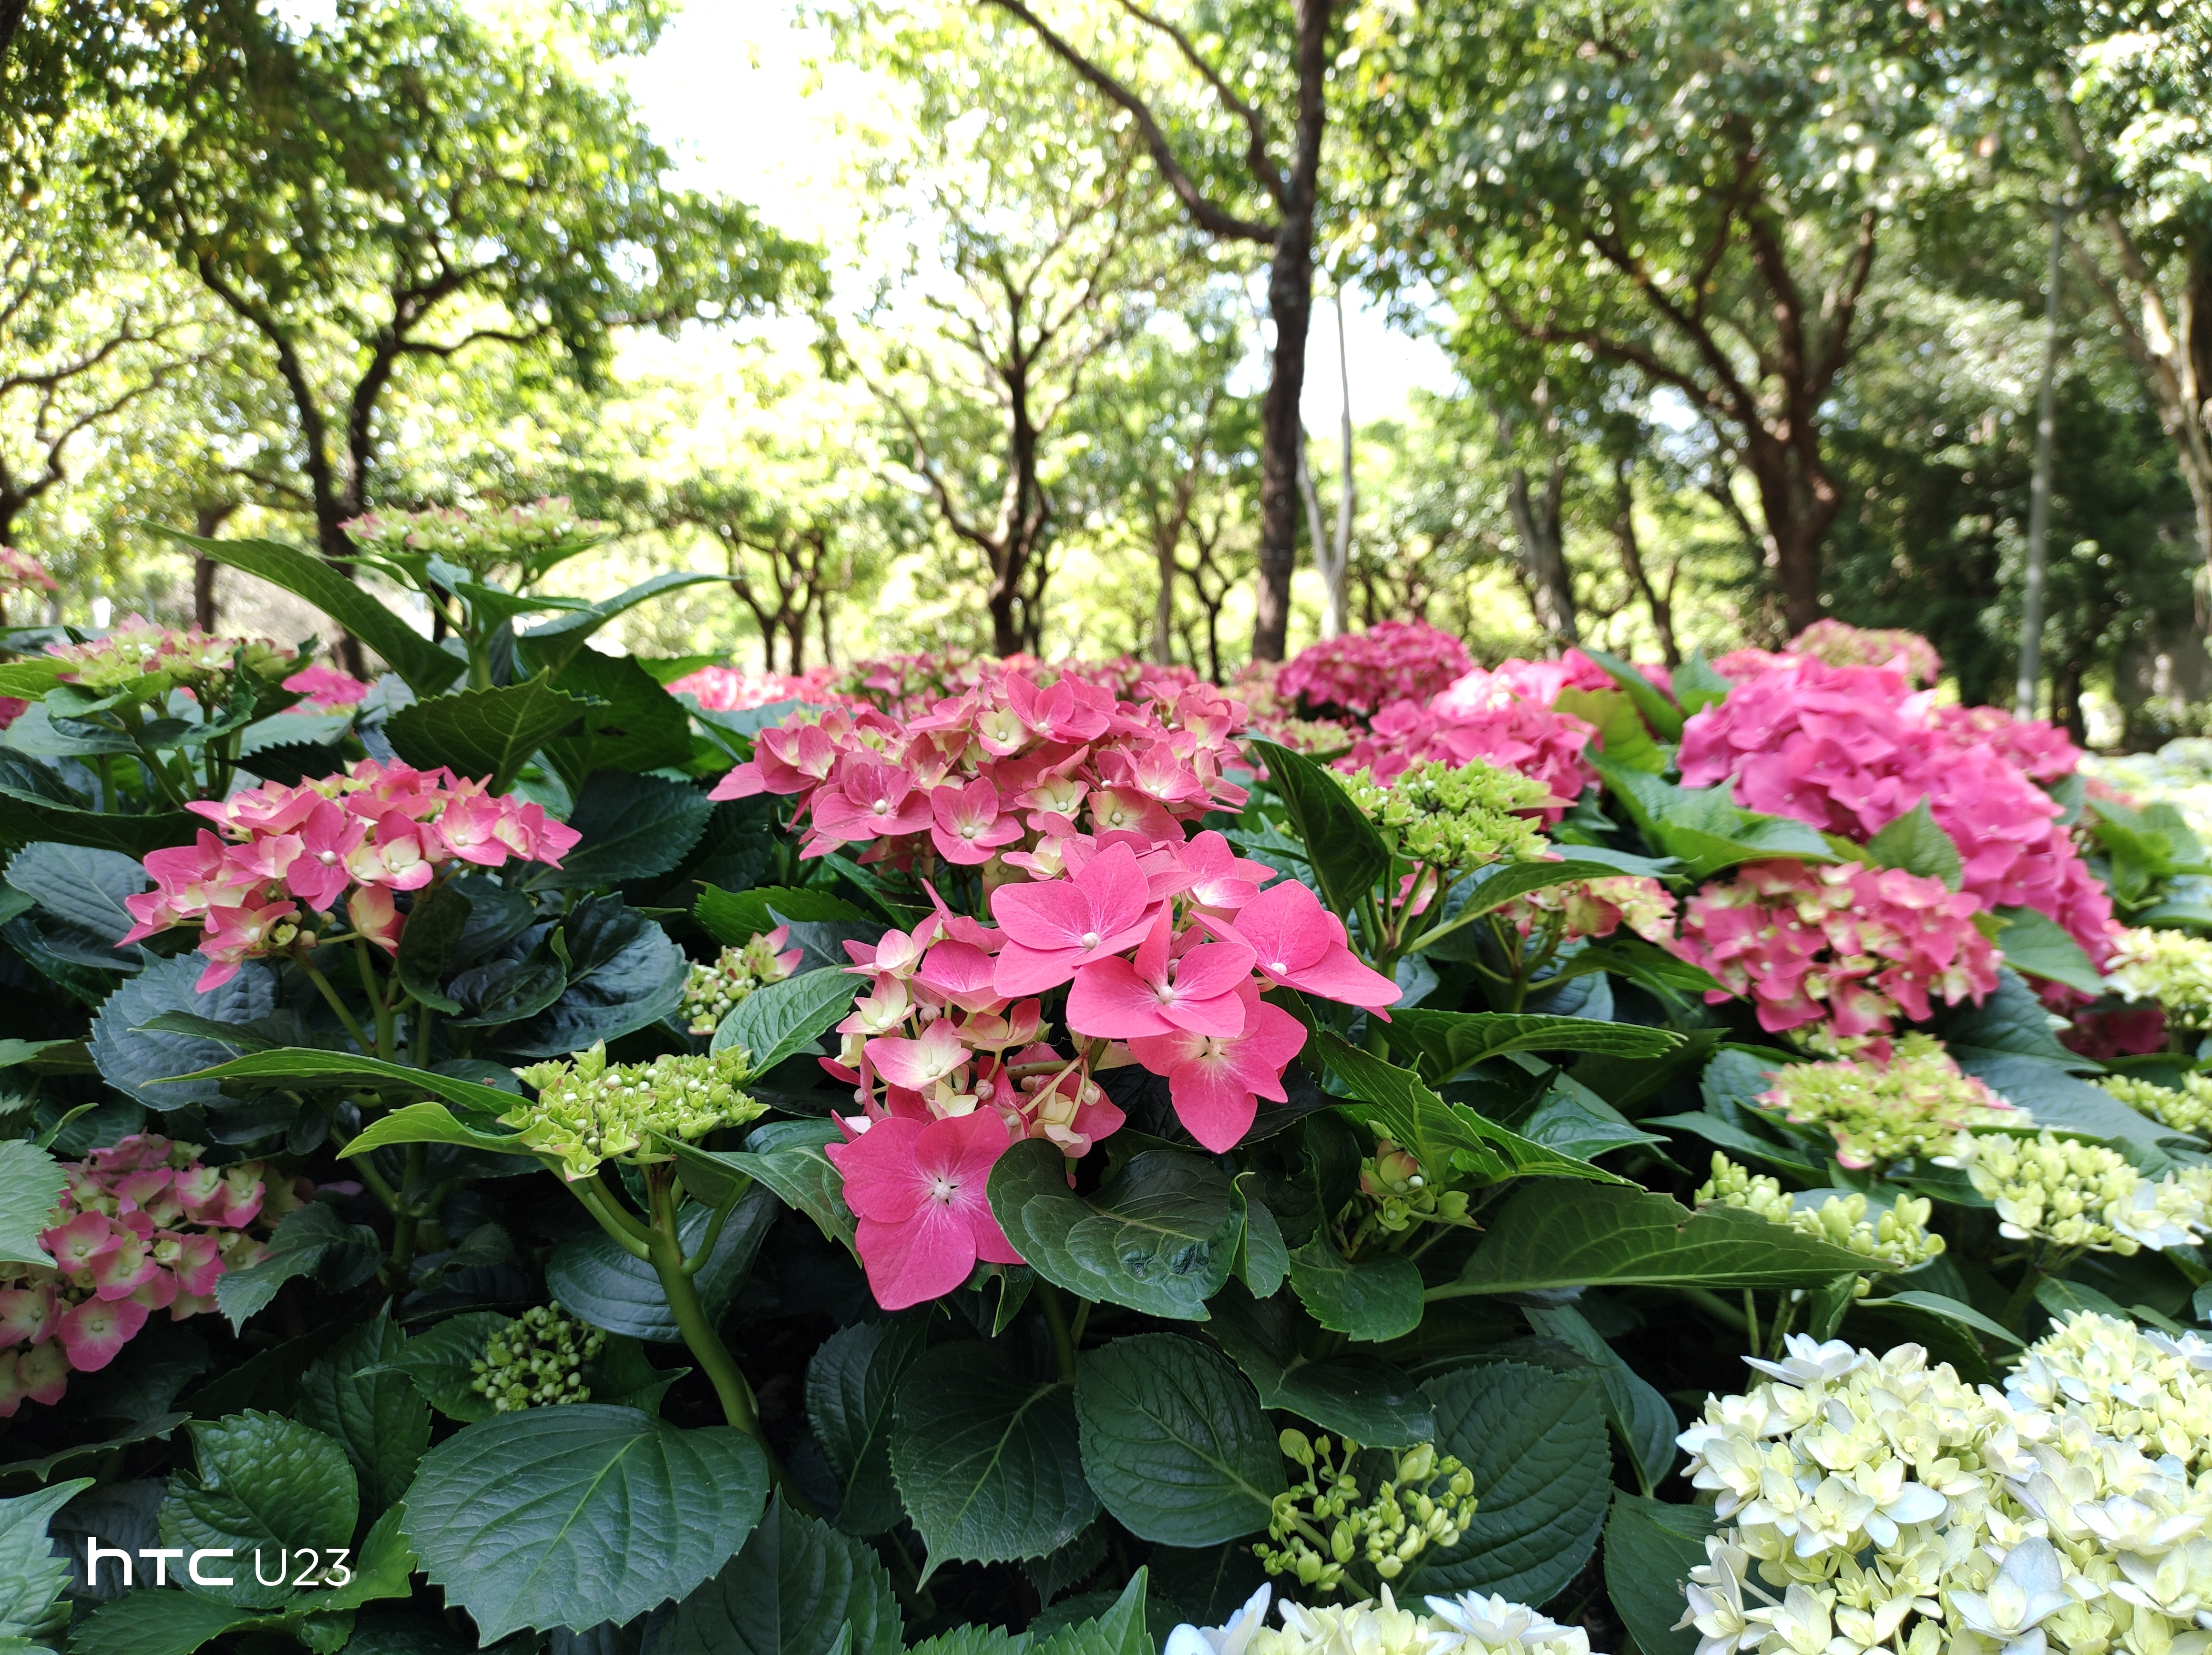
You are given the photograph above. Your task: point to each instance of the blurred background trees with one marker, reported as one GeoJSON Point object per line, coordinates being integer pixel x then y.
{"type": "Point", "coordinates": [1732, 318]}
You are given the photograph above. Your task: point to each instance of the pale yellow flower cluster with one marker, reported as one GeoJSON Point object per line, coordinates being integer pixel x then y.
{"type": "Point", "coordinates": [712, 991]}
{"type": "Point", "coordinates": [1883, 1113]}
{"type": "Point", "coordinates": [588, 1110]}
{"type": "Point", "coordinates": [1898, 1235]}
{"type": "Point", "coordinates": [1875, 1503]}
{"type": "Point", "coordinates": [1469, 1624]}
{"type": "Point", "coordinates": [2081, 1197]}
{"type": "Point", "coordinates": [2170, 967]}
{"type": "Point", "coordinates": [2188, 1109]}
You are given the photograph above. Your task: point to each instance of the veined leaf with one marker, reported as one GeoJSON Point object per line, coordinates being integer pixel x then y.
{"type": "Point", "coordinates": [432, 1122]}
{"type": "Point", "coordinates": [1375, 1301]}
{"type": "Point", "coordinates": [1451, 1042]}
{"type": "Point", "coordinates": [735, 918]}
{"type": "Point", "coordinates": [1348, 856]}
{"type": "Point", "coordinates": [534, 1518]}
{"type": "Point", "coordinates": [2037, 945]}
{"type": "Point", "coordinates": [487, 734]}
{"type": "Point", "coordinates": [850, 1382]}
{"type": "Point", "coordinates": [549, 646]}
{"type": "Point", "coordinates": [1650, 1547]}
{"type": "Point", "coordinates": [1554, 1235]}
{"type": "Point", "coordinates": [427, 669]}
{"type": "Point", "coordinates": [798, 1588]}
{"type": "Point", "coordinates": [784, 1019]}
{"type": "Point", "coordinates": [31, 1182]}
{"type": "Point", "coordinates": [1658, 709]}
{"type": "Point", "coordinates": [1174, 1441]}
{"type": "Point", "coordinates": [787, 1157]}
{"type": "Point", "coordinates": [301, 1066]}
{"type": "Point", "coordinates": [1353, 1394]}
{"type": "Point", "coordinates": [1915, 843]}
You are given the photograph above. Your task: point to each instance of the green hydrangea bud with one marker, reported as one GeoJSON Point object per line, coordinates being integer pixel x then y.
{"type": "Point", "coordinates": [2170, 967]}
{"type": "Point", "coordinates": [1898, 1236]}
{"type": "Point", "coordinates": [537, 1361]}
{"type": "Point", "coordinates": [1460, 817]}
{"type": "Point", "coordinates": [1324, 1527]}
{"type": "Point", "coordinates": [588, 1110]}
{"type": "Point", "coordinates": [712, 991]}
{"type": "Point", "coordinates": [2187, 1109]}
{"type": "Point", "coordinates": [2081, 1197]}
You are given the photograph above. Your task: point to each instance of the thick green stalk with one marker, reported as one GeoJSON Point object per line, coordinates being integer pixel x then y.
{"type": "Point", "coordinates": [331, 998]}
{"type": "Point", "coordinates": [1055, 1320]}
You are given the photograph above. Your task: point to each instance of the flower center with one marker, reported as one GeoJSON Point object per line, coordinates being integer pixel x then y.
{"type": "Point", "coordinates": [883, 807]}
{"type": "Point", "coordinates": [1090, 939]}
{"type": "Point", "coordinates": [943, 1188]}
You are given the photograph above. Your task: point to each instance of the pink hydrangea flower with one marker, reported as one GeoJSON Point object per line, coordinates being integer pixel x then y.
{"type": "Point", "coordinates": [1298, 943]}
{"type": "Point", "coordinates": [1054, 927]}
{"type": "Point", "coordinates": [918, 1190]}
{"type": "Point", "coordinates": [329, 688]}
{"type": "Point", "coordinates": [1216, 1082]}
{"type": "Point", "coordinates": [1172, 984]}
{"type": "Point", "coordinates": [1360, 672]}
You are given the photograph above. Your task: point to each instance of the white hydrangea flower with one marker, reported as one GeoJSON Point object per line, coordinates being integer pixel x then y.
{"type": "Point", "coordinates": [1233, 1639]}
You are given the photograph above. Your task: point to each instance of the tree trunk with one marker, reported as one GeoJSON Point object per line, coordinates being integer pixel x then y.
{"type": "Point", "coordinates": [1290, 306]}
{"type": "Point", "coordinates": [1797, 512]}
{"type": "Point", "coordinates": [334, 544]}
{"type": "Point", "coordinates": [1163, 556]}
{"type": "Point", "coordinates": [1661, 604]}
{"type": "Point", "coordinates": [1543, 550]}
{"type": "Point", "coordinates": [207, 519]}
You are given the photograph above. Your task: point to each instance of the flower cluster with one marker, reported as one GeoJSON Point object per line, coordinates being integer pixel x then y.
{"type": "Point", "coordinates": [2034, 747]}
{"type": "Point", "coordinates": [1000, 775]}
{"type": "Point", "coordinates": [1841, 645]}
{"type": "Point", "coordinates": [1597, 907]}
{"type": "Point", "coordinates": [479, 538]}
{"type": "Point", "coordinates": [1896, 1235]}
{"type": "Point", "coordinates": [1913, 1104]}
{"type": "Point", "coordinates": [1512, 734]}
{"type": "Point", "coordinates": [907, 686]}
{"type": "Point", "coordinates": [711, 990]}
{"type": "Point", "coordinates": [537, 1361]}
{"type": "Point", "coordinates": [1845, 946]}
{"type": "Point", "coordinates": [1322, 1525]}
{"type": "Point", "coordinates": [588, 1110]}
{"type": "Point", "coordinates": [328, 688]}
{"type": "Point", "coordinates": [1876, 1502]}
{"type": "Point", "coordinates": [151, 660]}
{"type": "Point", "coordinates": [2078, 1197]}
{"type": "Point", "coordinates": [1358, 672]}
{"type": "Point", "coordinates": [1165, 948]}
{"type": "Point", "coordinates": [21, 573]}
{"type": "Point", "coordinates": [725, 689]}
{"type": "Point", "coordinates": [2186, 1108]}
{"type": "Point", "coordinates": [1538, 682]}
{"type": "Point", "coordinates": [2170, 967]}
{"type": "Point", "coordinates": [143, 1225]}
{"type": "Point", "coordinates": [285, 854]}
{"type": "Point", "coordinates": [1469, 1624]}
{"type": "Point", "coordinates": [1850, 749]}
{"type": "Point", "coordinates": [1454, 817]}
{"type": "Point", "coordinates": [1403, 1192]}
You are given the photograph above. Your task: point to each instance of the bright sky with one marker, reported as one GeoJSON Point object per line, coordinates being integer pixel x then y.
{"type": "Point", "coordinates": [728, 89]}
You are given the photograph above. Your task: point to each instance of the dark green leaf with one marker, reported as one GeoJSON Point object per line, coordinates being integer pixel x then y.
{"type": "Point", "coordinates": [633, 723]}
{"type": "Point", "coordinates": [1951, 1310]}
{"type": "Point", "coordinates": [1558, 1235]}
{"type": "Point", "coordinates": [1640, 1415]}
{"type": "Point", "coordinates": [154, 1622]}
{"type": "Point", "coordinates": [437, 1361]}
{"type": "Point", "coordinates": [2040, 947]}
{"type": "Point", "coordinates": [988, 1461]}
{"type": "Point", "coordinates": [435, 925]}
{"type": "Point", "coordinates": [1439, 1134]}
{"type": "Point", "coordinates": [262, 1481]}
{"type": "Point", "coordinates": [1174, 1441]}
{"type": "Point", "coordinates": [786, 1156]}
{"type": "Point", "coordinates": [1376, 1299]}
{"type": "Point", "coordinates": [432, 1122]}
{"type": "Point", "coordinates": [634, 827]}
{"type": "Point", "coordinates": [1348, 856]}
{"type": "Point", "coordinates": [81, 885]}
{"type": "Point", "coordinates": [581, 1514]}
{"type": "Point", "coordinates": [310, 1240]}
{"type": "Point", "coordinates": [26, 817]}
{"type": "Point", "coordinates": [140, 1063]}
{"type": "Point", "coordinates": [375, 1413]}
{"type": "Point", "coordinates": [798, 1588]}
{"type": "Point", "coordinates": [1354, 1394]}
{"type": "Point", "coordinates": [850, 1382]}
{"type": "Point", "coordinates": [483, 734]}
{"type": "Point", "coordinates": [1706, 827]}
{"type": "Point", "coordinates": [1535, 1442]}
{"type": "Point", "coordinates": [1650, 1547]}
{"type": "Point", "coordinates": [787, 1018]}
{"type": "Point", "coordinates": [1118, 1630]}
{"type": "Point", "coordinates": [32, 1578]}
{"type": "Point", "coordinates": [1914, 843]}
{"type": "Point", "coordinates": [598, 1282]}
{"type": "Point", "coordinates": [1448, 1043]}
{"type": "Point", "coordinates": [627, 972]}
{"type": "Point", "coordinates": [1160, 1237]}
{"type": "Point", "coordinates": [425, 668]}
{"type": "Point", "coordinates": [31, 1182]}
{"type": "Point", "coordinates": [736, 917]}
{"type": "Point", "coordinates": [303, 1066]}
{"type": "Point", "coordinates": [2012, 1022]}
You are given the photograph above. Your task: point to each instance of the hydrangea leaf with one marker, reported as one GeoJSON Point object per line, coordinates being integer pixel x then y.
{"type": "Point", "coordinates": [261, 1484]}
{"type": "Point", "coordinates": [1348, 856]}
{"type": "Point", "coordinates": [576, 1515]}
{"type": "Point", "coordinates": [1353, 1394]}
{"type": "Point", "coordinates": [798, 1588]}
{"type": "Point", "coordinates": [1174, 1441]}
{"type": "Point", "coordinates": [850, 1382]}
{"type": "Point", "coordinates": [1650, 1547]}
{"type": "Point", "coordinates": [781, 1020]}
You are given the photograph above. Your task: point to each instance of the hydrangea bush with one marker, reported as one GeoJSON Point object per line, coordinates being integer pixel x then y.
{"type": "Point", "coordinates": [993, 1156]}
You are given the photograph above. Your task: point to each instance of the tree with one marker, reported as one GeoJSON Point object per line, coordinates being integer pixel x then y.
{"type": "Point", "coordinates": [1256, 68]}
{"type": "Point", "coordinates": [407, 186]}
{"type": "Point", "coordinates": [2118, 115]}
{"type": "Point", "coordinates": [1052, 259]}
{"type": "Point", "coordinates": [1689, 188]}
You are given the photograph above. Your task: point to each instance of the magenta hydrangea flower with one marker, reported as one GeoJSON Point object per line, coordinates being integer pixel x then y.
{"type": "Point", "coordinates": [1359, 672]}
{"type": "Point", "coordinates": [918, 1190]}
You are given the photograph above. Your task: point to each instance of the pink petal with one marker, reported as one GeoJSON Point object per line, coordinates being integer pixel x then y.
{"type": "Point", "coordinates": [1109, 1001]}
{"type": "Point", "coordinates": [1220, 1015]}
{"type": "Point", "coordinates": [1338, 975]}
{"type": "Point", "coordinates": [1212, 1104]}
{"type": "Point", "coordinates": [1212, 969]}
{"type": "Point", "coordinates": [927, 1256]}
{"type": "Point", "coordinates": [1021, 970]}
{"type": "Point", "coordinates": [1050, 915]}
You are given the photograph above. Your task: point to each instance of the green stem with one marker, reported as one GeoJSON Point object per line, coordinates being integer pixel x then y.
{"type": "Point", "coordinates": [1055, 1319]}
{"type": "Point", "coordinates": [1751, 1321]}
{"type": "Point", "coordinates": [631, 1236]}
{"type": "Point", "coordinates": [406, 1218]}
{"type": "Point", "coordinates": [2030, 1275]}
{"type": "Point", "coordinates": [705, 1250]}
{"type": "Point", "coordinates": [383, 1007]}
{"type": "Point", "coordinates": [331, 998]}
{"type": "Point", "coordinates": [1713, 1305]}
